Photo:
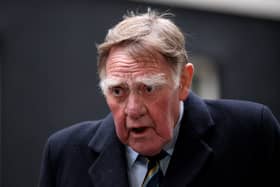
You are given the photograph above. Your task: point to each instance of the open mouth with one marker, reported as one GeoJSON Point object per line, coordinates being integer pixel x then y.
{"type": "Point", "coordinates": [138, 130]}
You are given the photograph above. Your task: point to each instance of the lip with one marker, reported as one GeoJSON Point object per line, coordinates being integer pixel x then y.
{"type": "Point", "coordinates": [138, 131]}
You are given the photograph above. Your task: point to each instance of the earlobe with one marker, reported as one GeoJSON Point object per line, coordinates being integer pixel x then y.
{"type": "Point", "coordinates": [186, 81]}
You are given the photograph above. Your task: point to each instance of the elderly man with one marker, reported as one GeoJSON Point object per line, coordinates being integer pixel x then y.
{"type": "Point", "coordinates": [159, 133]}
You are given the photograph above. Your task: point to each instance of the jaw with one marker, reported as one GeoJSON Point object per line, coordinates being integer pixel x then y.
{"type": "Point", "coordinates": [145, 144]}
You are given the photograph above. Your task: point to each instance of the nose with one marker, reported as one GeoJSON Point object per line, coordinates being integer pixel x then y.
{"type": "Point", "coordinates": [135, 107]}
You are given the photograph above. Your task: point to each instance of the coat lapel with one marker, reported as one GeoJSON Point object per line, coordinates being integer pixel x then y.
{"type": "Point", "coordinates": [190, 154]}
{"type": "Point", "coordinates": [110, 167]}
{"type": "Point", "coordinates": [191, 151]}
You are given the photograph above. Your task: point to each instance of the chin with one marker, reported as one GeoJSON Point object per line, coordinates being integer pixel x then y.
{"type": "Point", "coordinates": [147, 151]}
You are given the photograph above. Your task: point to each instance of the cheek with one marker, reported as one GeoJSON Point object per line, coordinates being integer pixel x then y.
{"type": "Point", "coordinates": [115, 108]}
{"type": "Point", "coordinates": [119, 120]}
{"type": "Point", "coordinates": [165, 114]}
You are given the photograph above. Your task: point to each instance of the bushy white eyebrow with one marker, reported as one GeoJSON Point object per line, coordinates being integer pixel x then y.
{"type": "Point", "coordinates": [109, 82]}
{"type": "Point", "coordinates": [152, 80]}
{"type": "Point", "coordinates": [149, 80]}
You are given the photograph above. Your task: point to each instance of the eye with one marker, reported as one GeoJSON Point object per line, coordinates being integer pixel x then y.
{"type": "Point", "coordinates": [117, 91]}
{"type": "Point", "coordinates": [149, 89]}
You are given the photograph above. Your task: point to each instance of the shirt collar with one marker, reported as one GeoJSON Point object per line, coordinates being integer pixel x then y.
{"type": "Point", "coordinates": [169, 148]}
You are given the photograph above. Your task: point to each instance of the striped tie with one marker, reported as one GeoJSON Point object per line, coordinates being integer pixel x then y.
{"type": "Point", "coordinates": [154, 173]}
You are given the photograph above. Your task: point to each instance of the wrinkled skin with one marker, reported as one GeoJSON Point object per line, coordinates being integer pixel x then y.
{"type": "Point", "coordinates": [143, 99]}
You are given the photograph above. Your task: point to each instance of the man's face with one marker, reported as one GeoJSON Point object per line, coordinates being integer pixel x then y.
{"type": "Point", "coordinates": [143, 99]}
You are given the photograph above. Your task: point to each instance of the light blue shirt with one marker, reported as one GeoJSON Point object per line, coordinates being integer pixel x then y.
{"type": "Point", "coordinates": [137, 167]}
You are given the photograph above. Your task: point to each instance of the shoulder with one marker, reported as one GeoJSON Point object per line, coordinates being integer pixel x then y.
{"type": "Point", "coordinates": [225, 108]}
{"type": "Point", "coordinates": [78, 133]}
{"type": "Point", "coordinates": [245, 113]}
{"type": "Point", "coordinates": [81, 134]}
{"type": "Point", "coordinates": [235, 106]}
{"type": "Point", "coordinates": [69, 147]}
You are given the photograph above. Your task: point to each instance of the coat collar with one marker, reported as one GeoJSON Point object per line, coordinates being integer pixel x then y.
{"type": "Point", "coordinates": [191, 151]}
{"type": "Point", "coordinates": [110, 167]}
{"type": "Point", "coordinates": [190, 154]}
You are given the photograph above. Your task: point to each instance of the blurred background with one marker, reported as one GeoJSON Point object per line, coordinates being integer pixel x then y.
{"type": "Point", "coordinates": [48, 64]}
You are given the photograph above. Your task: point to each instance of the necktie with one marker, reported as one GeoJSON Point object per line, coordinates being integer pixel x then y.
{"type": "Point", "coordinates": [154, 173]}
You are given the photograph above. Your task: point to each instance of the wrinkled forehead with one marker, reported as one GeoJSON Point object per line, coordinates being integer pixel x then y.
{"type": "Point", "coordinates": [118, 59]}
{"type": "Point", "coordinates": [139, 53]}
{"type": "Point", "coordinates": [123, 61]}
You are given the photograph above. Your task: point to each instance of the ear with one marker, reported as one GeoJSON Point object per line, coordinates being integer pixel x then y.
{"type": "Point", "coordinates": [186, 81]}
